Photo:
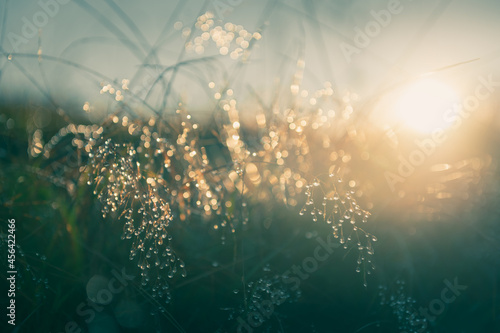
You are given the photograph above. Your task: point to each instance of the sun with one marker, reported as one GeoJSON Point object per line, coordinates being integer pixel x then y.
{"type": "Point", "coordinates": [421, 106]}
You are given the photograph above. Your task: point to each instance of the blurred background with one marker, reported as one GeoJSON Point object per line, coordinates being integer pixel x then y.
{"type": "Point", "coordinates": [399, 99]}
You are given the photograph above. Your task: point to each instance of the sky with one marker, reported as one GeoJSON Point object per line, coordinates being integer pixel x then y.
{"type": "Point", "coordinates": [362, 46]}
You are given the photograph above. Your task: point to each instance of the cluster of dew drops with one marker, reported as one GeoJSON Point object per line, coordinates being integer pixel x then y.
{"type": "Point", "coordinates": [402, 307]}
{"type": "Point", "coordinates": [267, 289]}
{"type": "Point", "coordinates": [330, 202]}
{"type": "Point", "coordinates": [125, 192]}
{"type": "Point", "coordinates": [151, 182]}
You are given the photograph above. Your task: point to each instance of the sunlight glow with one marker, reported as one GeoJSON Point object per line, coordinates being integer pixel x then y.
{"type": "Point", "coordinates": [422, 105]}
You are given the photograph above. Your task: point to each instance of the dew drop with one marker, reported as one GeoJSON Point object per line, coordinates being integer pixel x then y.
{"type": "Point", "coordinates": [316, 182]}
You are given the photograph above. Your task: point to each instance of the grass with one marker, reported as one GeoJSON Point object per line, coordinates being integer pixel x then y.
{"type": "Point", "coordinates": [221, 195]}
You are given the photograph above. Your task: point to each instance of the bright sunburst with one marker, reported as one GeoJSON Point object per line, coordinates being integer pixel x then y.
{"type": "Point", "coordinates": [422, 104]}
